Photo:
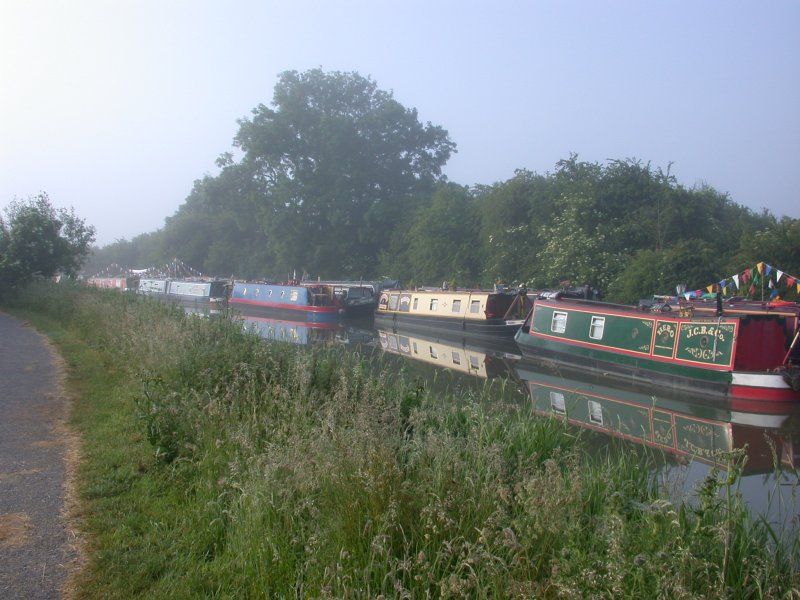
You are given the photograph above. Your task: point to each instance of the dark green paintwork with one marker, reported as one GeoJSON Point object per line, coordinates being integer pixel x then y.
{"type": "Point", "coordinates": [624, 333]}
{"type": "Point", "coordinates": [696, 343]}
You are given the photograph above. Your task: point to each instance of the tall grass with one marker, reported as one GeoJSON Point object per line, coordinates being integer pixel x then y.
{"type": "Point", "coordinates": [277, 471]}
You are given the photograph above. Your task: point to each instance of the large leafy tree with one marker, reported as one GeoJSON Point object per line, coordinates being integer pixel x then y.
{"type": "Point", "coordinates": [441, 242]}
{"type": "Point", "coordinates": [39, 240]}
{"type": "Point", "coordinates": [338, 161]}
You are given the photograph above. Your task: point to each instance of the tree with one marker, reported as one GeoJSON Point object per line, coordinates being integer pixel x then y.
{"type": "Point", "coordinates": [39, 240]}
{"type": "Point", "coordinates": [441, 242]}
{"type": "Point", "coordinates": [577, 247]}
{"type": "Point", "coordinates": [338, 161]}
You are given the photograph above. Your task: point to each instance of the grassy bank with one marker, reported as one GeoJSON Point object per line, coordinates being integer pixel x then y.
{"type": "Point", "coordinates": [219, 465]}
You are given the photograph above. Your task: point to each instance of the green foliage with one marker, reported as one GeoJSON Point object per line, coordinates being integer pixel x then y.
{"type": "Point", "coordinates": [338, 160]}
{"type": "Point", "coordinates": [577, 246]}
{"type": "Point", "coordinates": [275, 471]}
{"type": "Point", "coordinates": [654, 271]}
{"type": "Point", "coordinates": [440, 244]}
{"type": "Point", "coordinates": [38, 240]}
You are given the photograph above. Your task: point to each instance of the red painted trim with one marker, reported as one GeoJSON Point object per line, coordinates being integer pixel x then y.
{"type": "Point", "coordinates": [314, 309]}
{"type": "Point", "coordinates": [750, 392]}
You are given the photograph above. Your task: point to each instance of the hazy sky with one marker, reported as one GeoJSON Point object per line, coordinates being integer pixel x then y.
{"type": "Point", "coordinates": [116, 107]}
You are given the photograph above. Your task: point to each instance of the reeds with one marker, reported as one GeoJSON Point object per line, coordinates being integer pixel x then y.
{"type": "Point", "coordinates": [285, 471]}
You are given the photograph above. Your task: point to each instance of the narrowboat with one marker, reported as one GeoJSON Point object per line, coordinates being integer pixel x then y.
{"type": "Point", "coordinates": [213, 293]}
{"type": "Point", "coordinates": [116, 283]}
{"type": "Point", "coordinates": [751, 356]}
{"type": "Point", "coordinates": [681, 425]}
{"type": "Point", "coordinates": [470, 312]}
{"type": "Point", "coordinates": [317, 302]}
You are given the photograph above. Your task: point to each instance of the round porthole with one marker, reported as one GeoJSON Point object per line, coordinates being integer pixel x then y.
{"type": "Point", "coordinates": [634, 333]}
{"type": "Point", "coordinates": [704, 341]}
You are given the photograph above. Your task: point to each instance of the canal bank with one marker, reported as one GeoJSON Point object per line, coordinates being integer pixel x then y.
{"type": "Point", "coordinates": [228, 466]}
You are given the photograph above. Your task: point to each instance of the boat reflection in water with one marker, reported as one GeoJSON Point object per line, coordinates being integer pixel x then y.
{"type": "Point", "coordinates": [305, 332]}
{"type": "Point", "coordinates": [294, 332]}
{"type": "Point", "coordinates": [683, 426]}
{"type": "Point", "coordinates": [463, 355]}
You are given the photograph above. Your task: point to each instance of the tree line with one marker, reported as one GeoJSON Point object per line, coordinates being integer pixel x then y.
{"type": "Point", "coordinates": [337, 179]}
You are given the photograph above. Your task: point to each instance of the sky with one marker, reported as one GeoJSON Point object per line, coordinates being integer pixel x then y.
{"type": "Point", "coordinates": [116, 107]}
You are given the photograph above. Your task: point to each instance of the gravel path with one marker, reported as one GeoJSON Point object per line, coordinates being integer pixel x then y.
{"type": "Point", "coordinates": [35, 547]}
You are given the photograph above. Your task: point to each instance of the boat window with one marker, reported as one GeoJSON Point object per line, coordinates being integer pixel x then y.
{"type": "Point", "coordinates": [283, 293]}
{"type": "Point", "coordinates": [456, 306]}
{"type": "Point", "coordinates": [434, 303]}
{"type": "Point", "coordinates": [559, 323]}
{"type": "Point", "coordinates": [473, 361]}
{"type": "Point", "coordinates": [434, 354]}
{"type": "Point", "coordinates": [384, 301]}
{"type": "Point", "coordinates": [258, 291]}
{"type": "Point", "coordinates": [269, 293]}
{"type": "Point", "coordinates": [393, 299]}
{"type": "Point", "coordinates": [244, 291]}
{"type": "Point", "coordinates": [557, 403]}
{"type": "Point", "coordinates": [475, 307]}
{"type": "Point", "coordinates": [456, 358]}
{"type": "Point", "coordinates": [596, 328]}
{"type": "Point", "coordinates": [416, 303]}
{"type": "Point", "coordinates": [414, 344]}
{"type": "Point", "coordinates": [595, 412]}
{"type": "Point", "coordinates": [294, 295]}
{"type": "Point", "coordinates": [405, 303]}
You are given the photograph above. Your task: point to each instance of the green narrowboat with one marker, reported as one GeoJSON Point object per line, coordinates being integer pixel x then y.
{"type": "Point", "coordinates": [751, 356]}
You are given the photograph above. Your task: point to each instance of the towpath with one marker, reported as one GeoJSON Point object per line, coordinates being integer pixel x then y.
{"type": "Point", "coordinates": [35, 547]}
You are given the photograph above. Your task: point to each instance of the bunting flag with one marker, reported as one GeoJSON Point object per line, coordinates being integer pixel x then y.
{"type": "Point", "coordinates": [756, 276]}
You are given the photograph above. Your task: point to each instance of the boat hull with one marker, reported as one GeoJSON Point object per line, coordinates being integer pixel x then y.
{"type": "Point", "coordinates": [309, 314]}
{"type": "Point", "coordinates": [488, 329]}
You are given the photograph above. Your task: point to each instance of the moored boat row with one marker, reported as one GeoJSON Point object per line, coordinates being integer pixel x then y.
{"type": "Point", "coordinates": [731, 349]}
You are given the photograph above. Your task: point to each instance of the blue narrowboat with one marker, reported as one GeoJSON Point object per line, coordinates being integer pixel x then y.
{"type": "Point", "coordinates": [317, 303]}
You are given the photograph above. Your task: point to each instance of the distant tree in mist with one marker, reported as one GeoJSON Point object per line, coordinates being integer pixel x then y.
{"type": "Point", "coordinates": [37, 240]}
{"type": "Point", "coordinates": [338, 161]}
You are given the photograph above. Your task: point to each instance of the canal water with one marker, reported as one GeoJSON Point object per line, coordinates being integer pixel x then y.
{"type": "Point", "coordinates": [687, 436]}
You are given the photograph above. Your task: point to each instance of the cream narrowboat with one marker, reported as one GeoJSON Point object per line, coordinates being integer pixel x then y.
{"type": "Point", "coordinates": [472, 312]}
